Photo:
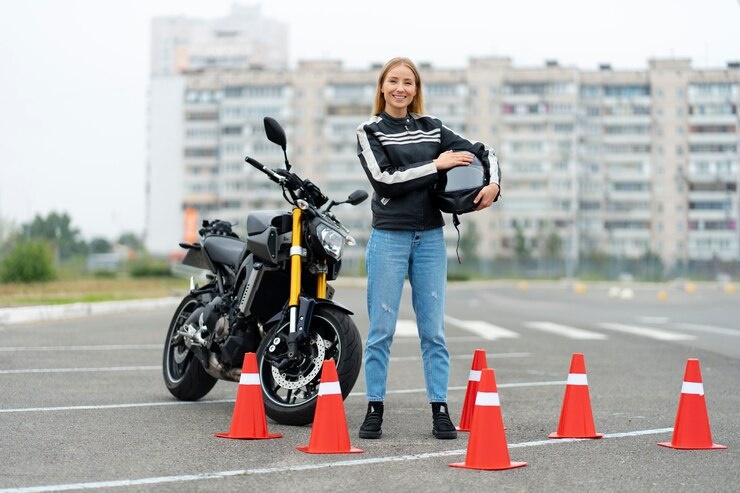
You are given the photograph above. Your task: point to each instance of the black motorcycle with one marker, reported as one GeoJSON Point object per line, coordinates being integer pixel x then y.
{"type": "Point", "coordinates": [269, 295]}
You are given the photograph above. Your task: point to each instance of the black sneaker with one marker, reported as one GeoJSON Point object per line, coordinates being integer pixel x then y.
{"type": "Point", "coordinates": [442, 426]}
{"type": "Point", "coordinates": [373, 420]}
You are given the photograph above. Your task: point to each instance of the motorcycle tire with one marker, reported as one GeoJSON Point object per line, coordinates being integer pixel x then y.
{"type": "Point", "coordinates": [183, 373]}
{"type": "Point", "coordinates": [342, 342]}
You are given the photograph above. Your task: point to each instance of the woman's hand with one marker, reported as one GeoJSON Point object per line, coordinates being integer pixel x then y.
{"type": "Point", "coordinates": [486, 196]}
{"type": "Point", "coordinates": [450, 159]}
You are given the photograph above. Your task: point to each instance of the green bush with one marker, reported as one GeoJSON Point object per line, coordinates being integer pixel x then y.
{"type": "Point", "coordinates": [150, 268]}
{"type": "Point", "coordinates": [28, 261]}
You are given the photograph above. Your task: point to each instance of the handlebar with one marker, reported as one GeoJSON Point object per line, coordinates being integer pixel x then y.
{"type": "Point", "coordinates": [297, 187]}
{"type": "Point", "coordinates": [270, 173]}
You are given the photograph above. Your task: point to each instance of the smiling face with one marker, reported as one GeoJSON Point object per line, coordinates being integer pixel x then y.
{"type": "Point", "coordinates": [399, 90]}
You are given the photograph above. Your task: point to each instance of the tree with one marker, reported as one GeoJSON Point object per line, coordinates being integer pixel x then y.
{"type": "Point", "coordinates": [57, 230]}
{"type": "Point", "coordinates": [652, 266]}
{"type": "Point", "coordinates": [28, 261]}
{"type": "Point", "coordinates": [553, 245]}
{"type": "Point", "coordinates": [469, 243]}
{"type": "Point", "coordinates": [7, 231]}
{"type": "Point", "coordinates": [132, 241]}
{"type": "Point", "coordinates": [100, 245]}
{"type": "Point", "coordinates": [520, 244]}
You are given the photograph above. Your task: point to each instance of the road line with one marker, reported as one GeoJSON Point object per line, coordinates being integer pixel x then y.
{"type": "Point", "coordinates": [406, 328]}
{"type": "Point", "coordinates": [485, 330]}
{"type": "Point", "coordinates": [111, 406]}
{"type": "Point", "coordinates": [157, 368]}
{"type": "Point", "coordinates": [464, 387]}
{"type": "Point", "coordinates": [103, 407]}
{"type": "Point", "coordinates": [79, 370]}
{"type": "Point", "coordinates": [660, 335]}
{"type": "Point", "coordinates": [447, 338]}
{"type": "Point", "coordinates": [107, 347]}
{"type": "Point", "coordinates": [709, 328]}
{"type": "Point", "coordinates": [653, 320]}
{"type": "Point", "coordinates": [303, 467]}
{"type": "Point", "coordinates": [566, 331]}
{"type": "Point", "coordinates": [462, 356]}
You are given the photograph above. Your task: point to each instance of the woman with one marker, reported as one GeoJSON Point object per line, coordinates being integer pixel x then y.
{"type": "Point", "coordinates": [403, 152]}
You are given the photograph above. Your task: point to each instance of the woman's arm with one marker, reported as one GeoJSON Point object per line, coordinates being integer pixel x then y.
{"type": "Point", "coordinates": [391, 179]}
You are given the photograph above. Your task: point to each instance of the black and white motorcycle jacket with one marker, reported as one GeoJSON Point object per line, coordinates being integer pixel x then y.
{"type": "Point", "coordinates": [397, 155]}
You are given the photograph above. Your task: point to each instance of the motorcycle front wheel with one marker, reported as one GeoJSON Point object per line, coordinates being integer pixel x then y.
{"type": "Point", "coordinates": [291, 391]}
{"type": "Point", "coordinates": [184, 376]}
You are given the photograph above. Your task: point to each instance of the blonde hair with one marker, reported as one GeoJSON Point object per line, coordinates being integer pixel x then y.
{"type": "Point", "coordinates": [417, 105]}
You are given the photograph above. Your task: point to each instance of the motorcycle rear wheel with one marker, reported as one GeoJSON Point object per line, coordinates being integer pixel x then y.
{"type": "Point", "coordinates": [183, 373]}
{"type": "Point", "coordinates": [291, 394]}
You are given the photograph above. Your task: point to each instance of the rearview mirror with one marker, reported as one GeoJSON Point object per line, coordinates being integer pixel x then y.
{"type": "Point", "coordinates": [275, 132]}
{"type": "Point", "coordinates": [357, 197]}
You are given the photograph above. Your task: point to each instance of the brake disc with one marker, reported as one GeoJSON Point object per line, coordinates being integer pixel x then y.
{"type": "Point", "coordinates": [291, 383]}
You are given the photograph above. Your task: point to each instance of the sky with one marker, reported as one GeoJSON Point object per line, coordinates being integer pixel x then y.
{"type": "Point", "coordinates": [74, 73]}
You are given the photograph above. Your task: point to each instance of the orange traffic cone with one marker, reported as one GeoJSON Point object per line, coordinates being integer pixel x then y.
{"type": "Point", "coordinates": [329, 434]}
{"type": "Point", "coordinates": [691, 430]}
{"type": "Point", "coordinates": [487, 447]}
{"type": "Point", "coordinates": [479, 363]}
{"type": "Point", "coordinates": [248, 420]}
{"type": "Point", "coordinates": [576, 419]}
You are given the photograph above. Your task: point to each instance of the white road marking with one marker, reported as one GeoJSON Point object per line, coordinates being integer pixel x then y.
{"type": "Point", "coordinates": [462, 356]}
{"type": "Point", "coordinates": [651, 333]}
{"type": "Point", "coordinates": [566, 331]}
{"type": "Point", "coordinates": [304, 467]}
{"type": "Point", "coordinates": [406, 328]}
{"type": "Point", "coordinates": [112, 406]}
{"type": "Point", "coordinates": [107, 347]}
{"type": "Point", "coordinates": [709, 328]}
{"type": "Point", "coordinates": [485, 330]}
{"type": "Point", "coordinates": [652, 320]}
{"type": "Point", "coordinates": [158, 368]}
{"type": "Point", "coordinates": [104, 407]}
{"type": "Point", "coordinates": [80, 370]}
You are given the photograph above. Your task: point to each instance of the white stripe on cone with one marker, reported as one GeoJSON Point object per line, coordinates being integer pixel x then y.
{"type": "Point", "coordinates": [474, 376]}
{"type": "Point", "coordinates": [577, 379]}
{"type": "Point", "coordinates": [249, 379]}
{"type": "Point", "coordinates": [487, 399]}
{"type": "Point", "coordinates": [328, 388]}
{"type": "Point", "coordinates": [696, 388]}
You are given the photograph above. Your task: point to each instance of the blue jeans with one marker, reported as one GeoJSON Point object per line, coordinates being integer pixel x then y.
{"type": "Point", "coordinates": [390, 256]}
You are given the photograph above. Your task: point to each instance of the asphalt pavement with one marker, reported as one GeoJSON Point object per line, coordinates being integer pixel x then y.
{"type": "Point", "coordinates": [84, 405]}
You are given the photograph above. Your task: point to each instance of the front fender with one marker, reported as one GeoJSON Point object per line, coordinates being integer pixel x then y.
{"type": "Point", "coordinates": [317, 303]}
{"type": "Point", "coordinates": [323, 302]}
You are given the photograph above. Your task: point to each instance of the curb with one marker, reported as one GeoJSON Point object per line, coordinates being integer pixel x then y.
{"type": "Point", "coordinates": [27, 314]}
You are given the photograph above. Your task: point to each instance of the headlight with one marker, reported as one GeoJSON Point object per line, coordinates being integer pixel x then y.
{"type": "Point", "coordinates": [331, 240]}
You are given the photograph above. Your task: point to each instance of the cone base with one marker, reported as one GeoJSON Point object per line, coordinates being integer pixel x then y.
{"type": "Point", "coordinates": [236, 437]}
{"type": "Point", "coordinates": [512, 465]}
{"type": "Point", "coordinates": [466, 430]}
{"type": "Point", "coordinates": [714, 446]}
{"type": "Point", "coordinates": [556, 435]}
{"type": "Point", "coordinates": [352, 450]}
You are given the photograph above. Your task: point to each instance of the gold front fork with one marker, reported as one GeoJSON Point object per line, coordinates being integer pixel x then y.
{"type": "Point", "coordinates": [296, 252]}
{"type": "Point", "coordinates": [321, 284]}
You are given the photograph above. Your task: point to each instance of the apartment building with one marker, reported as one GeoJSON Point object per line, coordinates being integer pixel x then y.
{"type": "Point", "coordinates": [179, 45]}
{"type": "Point", "coordinates": [594, 161]}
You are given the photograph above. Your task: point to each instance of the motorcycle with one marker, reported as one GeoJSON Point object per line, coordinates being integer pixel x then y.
{"type": "Point", "coordinates": [267, 294]}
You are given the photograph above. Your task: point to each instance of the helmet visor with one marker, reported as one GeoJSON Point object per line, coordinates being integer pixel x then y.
{"type": "Point", "coordinates": [465, 177]}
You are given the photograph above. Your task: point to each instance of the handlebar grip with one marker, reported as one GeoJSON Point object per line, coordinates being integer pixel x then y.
{"type": "Point", "coordinates": [255, 163]}
{"type": "Point", "coordinates": [271, 174]}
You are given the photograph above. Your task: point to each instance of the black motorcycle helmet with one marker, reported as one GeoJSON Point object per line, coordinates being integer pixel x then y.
{"type": "Point", "coordinates": [457, 187]}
